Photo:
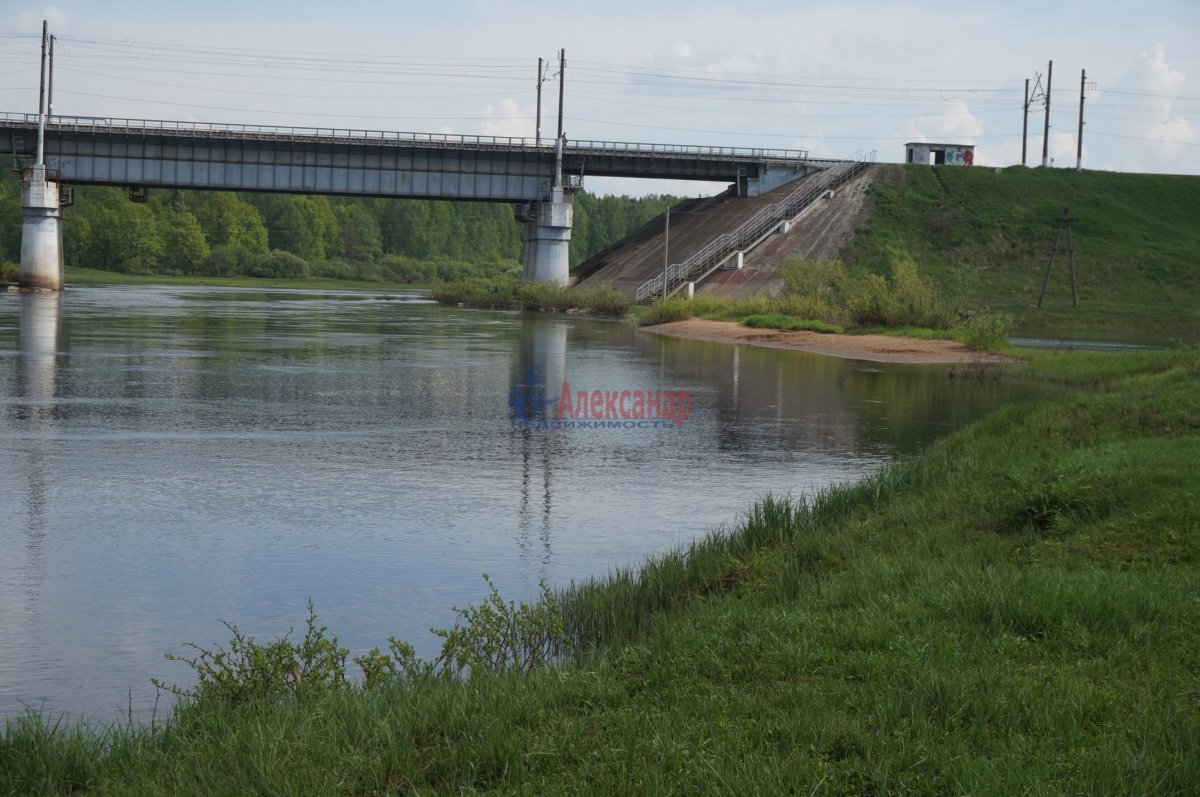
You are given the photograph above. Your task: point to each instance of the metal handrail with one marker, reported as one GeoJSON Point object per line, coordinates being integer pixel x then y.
{"type": "Point", "coordinates": [718, 250]}
{"type": "Point", "coordinates": [98, 124]}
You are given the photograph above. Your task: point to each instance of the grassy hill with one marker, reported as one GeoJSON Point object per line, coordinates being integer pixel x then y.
{"type": "Point", "coordinates": [986, 236]}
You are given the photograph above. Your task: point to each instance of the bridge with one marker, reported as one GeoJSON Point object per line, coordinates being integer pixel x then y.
{"type": "Point", "coordinates": [53, 152]}
{"type": "Point", "coordinates": [57, 151]}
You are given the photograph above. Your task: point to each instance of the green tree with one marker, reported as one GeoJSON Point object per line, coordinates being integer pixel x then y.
{"type": "Point", "coordinates": [361, 242]}
{"type": "Point", "coordinates": [184, 246]}
{"type": "Point", "coordinates": [229, 221]}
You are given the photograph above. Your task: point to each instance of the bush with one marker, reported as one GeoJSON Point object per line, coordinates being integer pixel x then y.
{"type": "Point", "coordinates": [603, 300]}
{"type": "Point", "coordinates": [907, 299]}
{"type": "Point", "coordinates": [508, 293]}
{"type": "Point", "coordinates": [987, 331]}
{"type": "Point", "coordinates": [281, 265]}
{"type": "Point", "coordinates": [496, 636]}
{"type": "Point", "coordinates": [665, 311]}
{"type": "Point", "coordinates": [9, 272]}
{"type": "Point", "coordinates": [247, 671]}
{"type": "Point", "coordinates": [811, 277]}
{"type": "Point", "coordinates": [229, 260]}
{"type": "Point", "coordinates": [332, 269]}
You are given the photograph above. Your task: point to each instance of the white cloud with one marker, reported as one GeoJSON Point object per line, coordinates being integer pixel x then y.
{"type": "Point", "coordinates": [511, 120]}
{"type": "Point", "coordinates": [681, 50]}
{"type": "Point", "coordinates": [54, 16]}
{"type": "Point", "coordinates": [956, 125]}
{"type": "Point", "coordinates": [1164, 138]}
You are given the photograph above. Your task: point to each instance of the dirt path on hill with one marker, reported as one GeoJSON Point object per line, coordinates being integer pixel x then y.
{"type": "Point", "coordinates": [875, 348]}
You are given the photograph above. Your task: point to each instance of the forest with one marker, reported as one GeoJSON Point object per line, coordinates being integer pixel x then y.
{"type": "Point", "coordinates": [221, 233]}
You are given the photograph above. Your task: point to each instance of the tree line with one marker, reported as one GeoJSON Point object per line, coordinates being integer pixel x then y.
{"type": "Point", "coordinates": [222, 233]}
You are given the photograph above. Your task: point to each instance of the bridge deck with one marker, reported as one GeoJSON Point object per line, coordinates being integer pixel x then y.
{"type": "Point", "coordinates": [378, 163]}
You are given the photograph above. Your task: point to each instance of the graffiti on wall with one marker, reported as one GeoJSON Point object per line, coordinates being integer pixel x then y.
{"type": "Point", "coordinates": [951, 154]}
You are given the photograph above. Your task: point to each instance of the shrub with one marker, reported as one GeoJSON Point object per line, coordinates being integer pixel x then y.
{"type": "Point", "coordinates": [247, 671]}
{"type": "Point", "coordinates": [9, 272]}
{"type": "Point", "coordinates": [905, 299]}
{"type": "Point", "coordinates": [987, 331]}
{"type": "Point", "coordinates": [279, 264]}
{"type": "Point", "coordinates": [602, 300]}
{"type": "Point", "coordinates": [667, 310]}
{"type": "Point", "coordinates": [229, 260]}
{"type": "Point", "coordinates": [496, 636]}
{"type": "Point", "coordinates": [811, 277]}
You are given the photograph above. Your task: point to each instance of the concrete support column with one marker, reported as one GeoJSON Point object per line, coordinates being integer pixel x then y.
{"type": "Point", "coordinates": [547, 239]}
{"type": "Point", "coordinates": [41, 233]}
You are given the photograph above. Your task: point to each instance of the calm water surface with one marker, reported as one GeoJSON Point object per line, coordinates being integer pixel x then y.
{"type": "Point", "coordinates": [172, 457]}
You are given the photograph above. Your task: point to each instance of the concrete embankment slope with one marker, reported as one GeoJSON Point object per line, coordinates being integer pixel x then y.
{"type": "Point", "coordinates": [820, 232]}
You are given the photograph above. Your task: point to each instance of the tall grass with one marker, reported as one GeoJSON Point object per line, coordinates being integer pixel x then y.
{"type": "Point", "coordinates": [508, 293]}
{"type": "Point", "coordinates": [822, 293]}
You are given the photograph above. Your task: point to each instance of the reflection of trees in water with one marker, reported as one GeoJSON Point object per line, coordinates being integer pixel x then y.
{"type": "Point", "coordinates": [807, 402]}
{"type": "Point", "coordinates": [765, 397]}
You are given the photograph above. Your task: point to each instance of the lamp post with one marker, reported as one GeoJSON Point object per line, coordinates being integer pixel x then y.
{"type": "Point", "coordinates": [666, 249]}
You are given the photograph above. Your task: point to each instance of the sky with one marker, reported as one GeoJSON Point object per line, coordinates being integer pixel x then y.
{"type": "Point", "coordinates": [836, 79]}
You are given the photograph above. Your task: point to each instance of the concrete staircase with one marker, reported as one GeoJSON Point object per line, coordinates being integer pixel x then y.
{"type": "Point", "coordinates": [706, 234]}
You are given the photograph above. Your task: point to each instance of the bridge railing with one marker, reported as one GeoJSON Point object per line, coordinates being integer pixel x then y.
{"type": "Point", "coordinates": [104, 124]}
{"type": "Point", "coordinates": [756, 154]}
{"type": "Point", "coordinates": [713, 254]}
{"type": "Point", "coordinates": [98, 124]}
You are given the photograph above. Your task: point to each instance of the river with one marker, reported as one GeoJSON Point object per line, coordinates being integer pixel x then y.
{"type": "Point", "coordinates": [171, 457]}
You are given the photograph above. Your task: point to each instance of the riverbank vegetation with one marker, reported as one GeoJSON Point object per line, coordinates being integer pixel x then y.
{"type": "Point", "coordinates": [1012, 612]}
{"type": "Point", "coordinates": [507, 293]}
{"type": "Point", "coordinates": [94, 276]}
{"type": "Point", "coordinates": [823, 297]}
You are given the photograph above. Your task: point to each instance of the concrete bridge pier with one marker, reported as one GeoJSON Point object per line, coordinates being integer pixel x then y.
{"type": "Point", "coordinates": [41, 233]}
{"type": "Point", "coordinates": [547, 237]}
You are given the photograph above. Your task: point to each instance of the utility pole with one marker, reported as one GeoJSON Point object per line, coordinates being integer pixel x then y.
{"type": "Point", "coordinates": [562, 74]}
{"type": "Point", "coordinates": [1065, 222]}
{"type": "Point", "coordinates": [1025, 123]}
{"type": "Point", "coordinates": [41, 141]}
{"type": "Point", "coordinates": [1046, 130]}
{"type": "Point", "coordinates": [666, 249]}
{"type": "Point", "coordinates": [1079, 146]}
{"type": "Point", "coordinates": [538, 133]}
{"type": "Point", "coordinates": [50, 88]}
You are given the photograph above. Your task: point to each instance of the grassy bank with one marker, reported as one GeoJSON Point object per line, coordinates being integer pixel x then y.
{"type": "Point", "coordinates": [507, 293]}
{"type": "Point", "coordinates": [1013, 612]}
{"type": "Point", "coordinates": [986, 236]}
{"type": "Point", "coordinates": [793, 313]}
{"type": "Point", "coordinates": [91, 276]}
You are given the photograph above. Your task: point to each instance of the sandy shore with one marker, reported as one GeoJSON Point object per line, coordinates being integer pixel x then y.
{"type": "Point", "coordinates": [875, 348]}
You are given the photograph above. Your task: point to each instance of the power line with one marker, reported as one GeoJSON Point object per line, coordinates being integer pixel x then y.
{"type": "Point", "coordinates": [293, 113]}
{"type": "Point", "coordinates": [1142, 138]}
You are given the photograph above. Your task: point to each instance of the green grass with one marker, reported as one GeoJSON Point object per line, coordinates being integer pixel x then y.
{"type": "Point", "coordinates": [91, 276]}
{"type": "Point", "coordinates": [721, 309]}
{"type": "Point", "coordinates": [921, 333]}
{"type": "Point", "coordinates": [986, 238]}
{"type": "Point", "coordinates": [1013, 612]}
{"type": "Point", "coordinates": [789, 323]}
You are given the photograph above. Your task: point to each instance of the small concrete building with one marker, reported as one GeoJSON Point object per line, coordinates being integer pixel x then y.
{"type": "Point", "coordinates": [943, 154]}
